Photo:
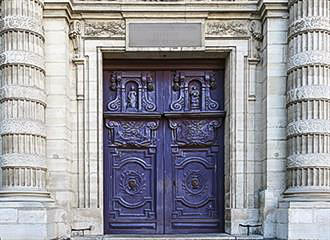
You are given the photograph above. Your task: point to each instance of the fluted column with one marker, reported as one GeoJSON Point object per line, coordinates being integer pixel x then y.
{"type": "Point", "coordinates": [22, 100]}
{"type": "Point", "coordinates": [308, 99]}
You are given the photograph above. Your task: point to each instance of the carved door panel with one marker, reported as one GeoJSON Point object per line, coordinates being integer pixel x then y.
{"type": "Point", "coordinates": [163, 151]}
{"type": "Point", "coordinates": [132, 154]}
{"type": "Point", "coordinates": [194, 169]}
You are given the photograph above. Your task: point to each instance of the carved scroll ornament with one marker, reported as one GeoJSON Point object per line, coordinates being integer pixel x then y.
{"type": "Point", "coordinates": [309, 126]}
{"type": "Point", "coordinates": [105, 28]}
{"type": "Point", "coordinates": [194, 132]}
{"type": "Point", "coordinates": [226, 28]}
{"type": "Point", "coordinates": [132, 133]}
{"type": "Point", "coordinates": [309, 24]}
{"type": "Point", "coordinates": [133, 93]}
{"type": "Point", "coordinates": [193, 93]}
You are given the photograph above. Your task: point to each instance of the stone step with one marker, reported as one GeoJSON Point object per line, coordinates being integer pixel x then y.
{"type": "Point", "coordinates": [221, 236]}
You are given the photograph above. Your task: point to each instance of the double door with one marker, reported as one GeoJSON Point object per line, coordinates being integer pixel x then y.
{"type": "Point", "coordinates": [163, 151]}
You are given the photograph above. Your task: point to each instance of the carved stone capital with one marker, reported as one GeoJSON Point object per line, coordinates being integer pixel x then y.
{"type": "Point", "coordinates": [21, 126]}
{"type": "Point", "coordinates": [310, 126]}
{"type": "Point", "coordinates": [309, 160]}
{"type": "Point", "coordinates": [308, 92]}
{"type": "Point", "coordinates": [227, 28]}
{"type": "Point", "coordinates": [75, 36]}
{"type": "Point", "coordinates": [309, 58]}
{"type": "Point", "coordinates": [23, 93]}
{"type": "Point", "coordinates": [309, 24]}
{"type": "Point", "coordinates": [111, 29]}
{"type": "Point", "coordinates": [22, 57]}
{"type": "Point", "coordinates": [255, 29]}
{"type": "Point", "coordinates": [21, 23]}
{"type": "Point", "coordinates": [22, 159]}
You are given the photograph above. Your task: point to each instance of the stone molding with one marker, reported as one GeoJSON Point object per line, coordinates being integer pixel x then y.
{"type": "Point", "coordinates": [22, 57]}
{"type": "Point", "coordinates": [23, 93]}
{"type": "Point", "coordinates": [308, 58]}
{"type": "Point", "coordinates": [309, 160]}
{"type": "Point", "coordinates": [309, 24]}
{"type": "Point", "coordinates": [228, 28]}
{"type": "Point", "coordinates": [308, 93]}
{"type": "Point", "coordinates": [22, 159]}
{"type": "Point", "coordinates": [115, 28]}
{"type": "Point", "coordinates": [310, 126]}
{"type": "Point", "coordinates": [21, 126]}
{"type": "Point", "coordinates": [21, 23]}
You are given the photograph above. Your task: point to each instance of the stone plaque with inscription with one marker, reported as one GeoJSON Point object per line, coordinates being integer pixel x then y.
{"type": "Point", "coordinates": [165, 35]}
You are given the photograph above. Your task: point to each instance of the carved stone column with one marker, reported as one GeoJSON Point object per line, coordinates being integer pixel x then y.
{"type": "Point", "coordinates": [22, 100]}
{"type": "Point", "coordinates": [308, 99]}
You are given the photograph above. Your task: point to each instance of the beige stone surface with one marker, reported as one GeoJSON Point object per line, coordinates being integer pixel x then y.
{"type": "Point", "coordinates": [277, 166]}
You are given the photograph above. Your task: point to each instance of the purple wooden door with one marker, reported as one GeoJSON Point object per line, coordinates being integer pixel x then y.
{"type": "Point", "coordinates": [163, 151]}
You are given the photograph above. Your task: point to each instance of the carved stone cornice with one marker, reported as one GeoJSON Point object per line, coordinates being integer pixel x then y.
{"type": "Point", "coordinates": [22, 57]}
{"type": "Point", "coordinates": [22, 126]}
{"type": "Point", "coordinates": [21, 23]}
{"type": "Point", "coordinates": [309, 24]}
{"type": "Point", "coordinates": [22, 159]}
{"type": "Point", "coordinates": [308, 93]}
{"type": "Point", "coordinates": [310, 126]}
{"type": "Point", "coordinates": [309, 160]}
{"type": "Point", "coordinates": [227, 28]}
{"type": "Point", "coordinates": [309, 58]}
{"type": "Point", "coordinates": [116, 28]}
{"type": "Point", "coordinates": [23, 93]}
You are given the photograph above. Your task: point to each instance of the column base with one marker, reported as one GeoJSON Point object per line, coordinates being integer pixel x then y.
{"type": "Point", "coordinates": [25, 196]}
{"type": "Point", "coordinates": [303, 219]}
{"type": "Point", "coordinates": [23, 220]}
{"type": "Point", "coordinates": [307, 193]}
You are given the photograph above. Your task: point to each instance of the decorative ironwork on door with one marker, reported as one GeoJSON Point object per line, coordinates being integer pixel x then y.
{"type": "Point", "coordinates": [163, 151]}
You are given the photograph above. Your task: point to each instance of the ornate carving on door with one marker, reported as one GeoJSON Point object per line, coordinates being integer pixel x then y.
{"type": "Point", "coordinates": [163, 151]}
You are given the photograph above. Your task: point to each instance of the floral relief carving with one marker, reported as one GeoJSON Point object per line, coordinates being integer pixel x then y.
{"type": "Point", "coordinates": [23, 127]}
{"type": "Point", "coordinates": [105, 28]}
{"type": "Point", "coordinates": [22, 159]}
{"type": "Point", "coordinates": [227, 28]}
{"type": "Point", "coordinates": [309, 160]}
{"type": "Point", "coordinates": [22, 57]}
{"type": "Point", "coordinates": [308, 24]}
{"type": "Point", "coordinates": [194, 132]}
{"type": "Point", "coordinates": [308, 92]}
{"type": "Point", "coordinates": [308, 127]}
{"type": "Point", "coordinates": [309, 57]}
{"type": "Point", "coordinates": [21, 22]}
{"type": "Point", "coordinates": [133, 133]}
{"type": "Point", "coordinates": [23, 92]}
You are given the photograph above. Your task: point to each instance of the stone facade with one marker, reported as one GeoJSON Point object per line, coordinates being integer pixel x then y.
{"type": "Point", "coordinates": [277, 93]}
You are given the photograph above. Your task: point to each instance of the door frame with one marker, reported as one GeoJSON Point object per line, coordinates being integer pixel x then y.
{"type": "Point", "coordinates": [89, 81]}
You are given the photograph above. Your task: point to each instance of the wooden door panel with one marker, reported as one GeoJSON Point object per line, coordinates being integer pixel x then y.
{"type": "Point", "coordinates": [194, 162]}
{"type": "Point", "coordinates": [163, 151]}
